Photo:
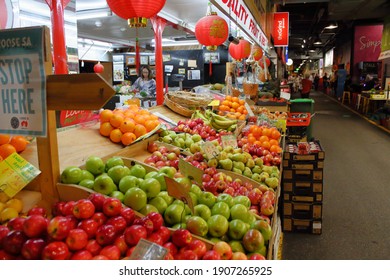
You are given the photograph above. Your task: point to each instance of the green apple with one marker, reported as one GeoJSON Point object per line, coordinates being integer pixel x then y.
{"type": "Point", "coordinates": [185, 181]}
{"type": "Point", "coordinates": [196, 190]}
{"type": "Point", "coordinates": [227, 198]}
{"type": "Point", "coordinates": [87, 175]}
{"type": "Point", "coordinates": [197, 225]}
{"type": "Point", "coordinates": [151, 174]}
{"type": "Point", "coordinates": [218, 225]}
{"type": "Point", "coordinates": [71, 175]}
{"type": "Point", "coordinates": [253, 240]}
{"type": "Point", "coordinates": [148, 209]}
{"type": "Point", "coordinates": [138, 171]}
{"type": "Point", "coordinates": [264, 228]}
{"type": "Point", "coordinates": [135, 198]}
{"type": "Point", "coordinates": [160, 203]}
{"type": "Point", "coordinates": [174, 214]}
{"type": "Point", "coordinates": [87, 183]}
{"type": "Point", "coordinates": [236, 246]}
{"type": "Point", "coordinates": [151, 187]}
{"type": "Point", "coordinates": [117, 172]}
{"type": "Point", "coordinates": [179, 226]}
{"type": "Point", "coordinates": [242, 199]}
{"type": "Point", "coordinates": [118, 194]}
{"type": "Point", "coordinates": [168, 199]}
{"type": "Point", "coordinates": [114, 161]}
{"type": "Point", "coordinates": [170, 171]}
{"type": "Point", "coordinates": [104, 184]}
{"type": "Point", "coordinates": [95, 165]}
{"type": "Point", "coordinates": [202, 211]}
{"type": "Point", "coordinates": [221, 208]}
{"type": "Point", "coordinates": [161, 178]}
{"type": "Point", "coordinates": [128, 182]}
{"type": "Point", "coordinates": [207, 198]}
{"type": "Point", "coordinates": [196, 137]}
{"type": "Point", "coordinates": [194, 198]}
{"type": "Point", "coordinates": [237, 229]}
{"type": "Point", "coordinates": [250, 218]}
{"type": "Point", "coordinates": [262, 251]}
{"type": "Point", "coordinates": [239, 211]}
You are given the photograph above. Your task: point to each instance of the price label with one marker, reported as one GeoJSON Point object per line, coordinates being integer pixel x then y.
{"type": "Point", "coordinates": [214, 103]}
{"type": "Point", "coordinates": [179, 191]}
{"type": "Point", "coordinates": [285, 95]}
{"type": "Point", "coordinates": [210, 150]}
{"type": "Point", "coordinates": [147, 250]}
{"type": "Point", "coordinates": [15, 174]}
{"type": "Point", "coordinates": [190, 171]}
{"type": "Point", "coordinates": [229, 140]}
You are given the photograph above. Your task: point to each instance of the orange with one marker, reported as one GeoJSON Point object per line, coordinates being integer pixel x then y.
{"type": "Point", "coordinates": [140, 119]}
{"type": "Point", "coordinates": [235, 105]}
{"type": "Point", "coordinates": [252, 128]}
{"type": "Point", "coordinates": [115, 135]}
{"type": "Point", "coordinates": [151, 124]}
{"type": "Point", "coordinates": [274, 148]}
{"type": "Point", "coordinates": [240, 109]}
{"type": "Point", "coordinates": [127, 125]}
{"type": "Point", "coordinates": [6, 150]}
{"type": "Point", "coordinates": [251, 139]}
{"type": "Point", "coordinates": [266, 131]}
{"type": "Point", "coordinates": [4, 138]}
{"type": "Point", "coordinates": [275, 134]}
{"type": "Point", "coordinates": [105, 115]}
{"type": "Point", "coordinates": [258, 143]}
{"type": "Point", "coordinates": [129, 114]}
{"type": "Point", "coordinates": [274, 142]}
{"type": "Point", "coordinates": [19, 142]}
{"type": "Point", "coordinates": [242, 117]}
{"type": "Point", "coordinates": [235, 99]}
{"type": "Point", "coordinates": [245, 112]}
{"type": "Point", "coordinates": [128, 138]}
{"type": "Point", "coordinates": [116, 120]}
{"type": "Point", "coordinates": [153, 117]}
{"type": "Point", "coordinates": [257, 131]}
{"type": "Point", "coordinates": [105, 129]}
{"type": "Point", "coordinates": [143, 112]}
{"type": "Point", "coordinates": [232, 110]}
{"type": "Point", "coordinates": [139, 130]}
{"type": "Point", "coordinates": [226, 103]}
{"type": "Point", "coordinates": [263, 138]}
{"type": "Point", "coordinates": [228, 98]}
{"type": "Point", "coordinates": [133, 107]}
{"type": "Point", "coordinates": [266, 145]}
{"type": "Point", "coordinates": [241, 102]}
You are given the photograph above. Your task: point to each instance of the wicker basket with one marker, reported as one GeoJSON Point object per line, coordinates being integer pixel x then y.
{"type": "Point", "coordinates": [190, 99]}
{"type": "Point", "coordinates": [177, 108]}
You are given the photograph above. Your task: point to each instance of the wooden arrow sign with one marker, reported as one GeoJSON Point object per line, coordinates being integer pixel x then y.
{"type": "Point", "coordinates": [87, 91]}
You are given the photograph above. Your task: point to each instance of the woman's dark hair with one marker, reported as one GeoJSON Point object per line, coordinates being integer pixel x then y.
{"type": "Point", "coordinates": [150, 76]}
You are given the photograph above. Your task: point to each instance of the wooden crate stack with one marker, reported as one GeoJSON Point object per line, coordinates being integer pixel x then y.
{"type": "Point", "coordinates": [302, 189]}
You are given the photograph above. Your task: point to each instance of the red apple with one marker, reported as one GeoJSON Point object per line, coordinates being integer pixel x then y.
{"type": "Point", "coordinates": [89, 226]}
{"type": "Point", "coordinates": [256, 256]}
{"type": "Point", "coordinates": [134, 233]}
{"type": "Point", "coordinates": [146, 222]}
{"type": "Point", "coordinates": [35, 226]}
{"type": "Point", "coordinates": [77, 239]}
{"type": "Point", "coordinates": [4, 256]}
{"type": "Point", "coordinates": [181, 237]}
{"type": "Point", "coordinates": [58, 208]}
{"type": "Point", "coordinates": [165, 233]}
{"type": "Point", "coordinates": [16, 223]}
{"type": "Point", "coordinates": [112, 252]}
{"type": "Point", "coordinates": [152, 147]}
{"type": "Point", "coordinates": [169, 257]}
{"type": "Point", "coordinates": [253, 240]}
{"type": "Point", "coordinates": [223, 249]}
{"type": "Point", "coordinates": [37, 211]}
{"type": "Point", "coordinates": [155, 238]}
{"type": "Point", "coordinates": [128, 214]}
{"type": "Point", "coordinates": [187, 255]}
{"type": "Point", "coordinates": [198, 247]}
{"type": "Point", "coordinates": [130, 251]}
{"type": "Point", "coordinates": [73, 221]}
{"type": "Point", "coordinates": [83, 209]}
{"type": "Point", "coordinates": [239, 256]}
{"type": "Point", "coordinates": [3, 233]}
{"type": "Point", "coordinates": [97, 199]}
{"type": "Point", "coordinates": [255, 195]}
{"type": "Point", "coordinates": [121, 244]}
{"type": "Point", "coordinates": [118, 222]}
{"type": "Point", "coordinates": [56, 250]}
{"type": "Point", "coordinates": [105, 234]}
{"type": "Point", "coordinates": [112, 206]}
{"type": "Point", "coordinates": [157, 220]}
{"type": "Point", "coordinates": [171, 248]}
{"type": "Point", "coordinates": [100, 257]}
{"type": "Point", "coordinates": [82, 255]}
{"type": "Point", "coordinates": [68, 208]}
{"type": "Point", "coordinates": [93, 247]}
{"type": "Point", "coordinates": [13, 242]}
{"type": "Point", "coordinates": [211, 255]}
{"type": "Point", "coordinates": [100, 218]}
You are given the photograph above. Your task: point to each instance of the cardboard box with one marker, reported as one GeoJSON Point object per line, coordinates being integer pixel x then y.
{"type": "Point", "coordinates": [303, 175]}
{"type": "Point", "coordinates": [302, 210]}
{"type": "Point", "coordinates": [302, 225]}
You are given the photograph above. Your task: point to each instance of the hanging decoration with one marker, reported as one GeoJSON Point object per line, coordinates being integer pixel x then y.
{"type": "Point", "coordinates": [257, 52]}
{"type": "Point", "coordinates": [98, 68]}
{"type": "Point", "coordinates": [267, 62]}
{"type": "Point", "coordinates": [211, 30]}
{"type": "Point", "coordinates": [136, 12]}
{"type": "Point", "coordinates": [240, 51]}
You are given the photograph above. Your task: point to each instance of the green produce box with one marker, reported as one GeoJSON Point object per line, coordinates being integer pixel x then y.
{"type": "Point", "coordinates": [304, 105]}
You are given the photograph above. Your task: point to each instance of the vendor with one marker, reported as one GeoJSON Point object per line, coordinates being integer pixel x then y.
{"type": "Point", "coordinates": [145, 82]}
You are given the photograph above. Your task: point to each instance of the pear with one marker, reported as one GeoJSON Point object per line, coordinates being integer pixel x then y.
{"type": "Point", "coordinates": [188, 142]}
{"type": "Point", "coordinates": [247, 172]}
{"type": "Point", "coordinates": [264, 175]}
{"type": "Point", "coordinates": [256, 177]}
{"type": "Point", "coordinates": [236, 170]}
{"type": "Point", "coordinates": [213, 162]}
{"type": "Point", "coordinates": [237, 151]}
{"type": "Point", "coordinates": [239, 165]}
{"type": "Point", "coordinates": [275, 174]}
{"type": "Point", "coordinates": [250, 163]}
{"type": "Point", "coordinates": [238, 157]}
{"type": "Point", "coordinates": [257, 169]}
{"type": "Point", "coordinates": [226, 164]}
{"type": "Point", "coordinates": [272, 182]}
{"type": "Point", "coordinates": [229, 149]}
{"type": "Point", "coordinates": [223, 155]}
{"type": "Point", "coordinates": [267, 169]}
{"type": "Point", "coordinates": [259, 162]}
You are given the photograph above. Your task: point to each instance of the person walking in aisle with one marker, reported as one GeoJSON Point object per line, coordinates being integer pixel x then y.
{"type": "Point", "coordinates": [325, 81]}
{"type": "Point", "coordinates": [316, 81]}
{"type": "Point", "coordinates": [145, 82]}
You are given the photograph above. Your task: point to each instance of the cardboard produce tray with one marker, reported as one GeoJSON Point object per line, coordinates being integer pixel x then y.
{"type": "Point", "coordinates": [302, 210]}
{"type": "Point", "coordinates": [303, 175]}
{"type": "Point", "coordinates": [302, 191]}
{"type": "Point", "coordinates": [302, 225]}
{"type": "Point", "coordinates": [303, 165]}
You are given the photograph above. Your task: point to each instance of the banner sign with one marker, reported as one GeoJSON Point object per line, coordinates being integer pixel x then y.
{"type": "Point", "coordinates": [367, 44]}
{"type": "Point", "coordinates": [385, 48]}
{"type": "Point", "coordinates": [241, 14]}
{"type": "Point", "coordinates": [22, 82]}
{"type": "Point", "coordinates": [280, 30]}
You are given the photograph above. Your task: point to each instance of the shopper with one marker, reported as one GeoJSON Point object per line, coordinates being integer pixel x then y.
{"type": "Point", "coordinates": [325, 81]}
{"type": "Point", "coordinates": [316, 82]}
{"type": "Point", "coordinates": [145, 82]}
{"type": "Point", "coordinates": [306, 87]}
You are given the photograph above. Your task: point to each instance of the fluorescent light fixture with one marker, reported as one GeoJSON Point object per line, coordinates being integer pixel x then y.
{"type": "Point", "coordinates": [317, 41]}
{"type": "Point", "coordinates": [179, 43]}
{"type": "Point", "coordinates": [93, 14]}
{"type": "Point", "coordinates": [332, 25]}
{"type": "Point", "coordinates": [94, 42]}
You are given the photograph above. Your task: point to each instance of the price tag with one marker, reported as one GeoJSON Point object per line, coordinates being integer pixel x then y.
{"type": "Point", "coordinates": [214, 103]}
{"type": "Point", "coordinates": [281, 124]}
{"type": "Point", "coordinates": [285, 95]}
{"type": "Point", "coordinates": [179, 191]}
{"type": "Point", "coordinates": [15, 174]}
{"type": "Point", "coordinates": [248, 108]}
{"type": "Point", "coordinates": [210, 150]}
{"type": "Point", "coordinates": [147, 250]}
{"type": "Point", "coordinates": [190, 171]}
{"type": "Point", "coordinates": [229, 140]}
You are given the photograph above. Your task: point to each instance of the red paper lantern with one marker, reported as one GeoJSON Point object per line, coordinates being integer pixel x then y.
{"type": "Point", "coordinates": [98, 68]}
{"type": "Point", "coordinates": [136, 11]}
{"type": "Point", "coordinates": [211, 31]}
{"type": "Point", "coordinates": [257, 52]}
{"type": "Point", "coordinates": [267, 62]}
{"type": "Point", "coordinates": [241, 50]}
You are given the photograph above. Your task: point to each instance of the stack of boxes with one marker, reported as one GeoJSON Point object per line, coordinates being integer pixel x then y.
{"type": "Point", "coordinates": [302, 187]}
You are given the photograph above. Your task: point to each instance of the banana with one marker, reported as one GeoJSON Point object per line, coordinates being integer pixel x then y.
{"type": "Point", "coordinates": [224, 123]}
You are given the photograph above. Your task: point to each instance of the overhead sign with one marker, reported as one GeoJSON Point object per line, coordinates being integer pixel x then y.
{"type": "Point", "coordinates": [280, 29]}
{"type": "Point", "coordinates": [22, 82]}
{"type": "Point", "coordinates": [385, 46]}
{"type": "Point", "coordinates": [241, 14]}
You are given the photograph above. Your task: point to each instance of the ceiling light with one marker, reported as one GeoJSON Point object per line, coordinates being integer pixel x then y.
{"type": "Point", "coordinates": [317, 41]}
{"type": "Point", "coordinates": [332, 25]}
{"type": "Point", "coordinates": [98, 23]}
{"type": "Point", "coordinates": [303, 46]}
{"type": "Point", "coordinates": [289, 62]}
{"type": "Point", "coordinates": [123, 29]}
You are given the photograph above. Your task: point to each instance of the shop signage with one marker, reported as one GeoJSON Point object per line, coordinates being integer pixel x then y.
{"type": "Point", "coordinates": [6, 14]}
{"type": "Point", "coordinates": [22, 82]}
{"type": "Point", "coordinates": [280, 31]}
{"type": "Point", "coordinates": [240, 13]}
{"type": "Point", "coordinates": [385, 48]}
{"type": "Point", "coordinates": [73, 117]}
{"type": "Point", "coordinates": [367, 44]}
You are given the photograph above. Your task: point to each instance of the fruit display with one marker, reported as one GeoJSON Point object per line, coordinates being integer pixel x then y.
{"type": "Point", "coordinates": [186, 141]}
{"type": "Point", "coordinates": [217, 121]}
{"type": "Point", "coordinates": [12, 144]}
{"type": "Point", "coordinates": [233, 108]}
{"type": "Point", "coordinates": [126, 125]}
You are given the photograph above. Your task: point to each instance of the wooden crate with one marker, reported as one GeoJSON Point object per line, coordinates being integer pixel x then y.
{"type": "Point", "coordinates": [302, 210]}
{"type": "Point", "coordinates": [303, 175]}
{"type": "Point", "coordinates": [307, 157]}
{"type": "Point", "coordinates": [308, 165]}
{"type": "Point", "coordinates": [302, 225]}
{"type": "Point", "coordinates": [303, 191]}
{"type": "Point", "coordinates": [290, 197]}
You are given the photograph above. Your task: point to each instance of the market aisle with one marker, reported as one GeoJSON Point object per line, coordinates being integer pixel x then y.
{"type": "Point", "coordinates": [356, 205]}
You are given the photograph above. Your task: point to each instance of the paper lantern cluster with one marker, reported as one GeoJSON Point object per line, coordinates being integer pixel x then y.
{"type": "Point", "coordinates": [211, 31]}
{"type": "Point", "coordinates": [240, 51]}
